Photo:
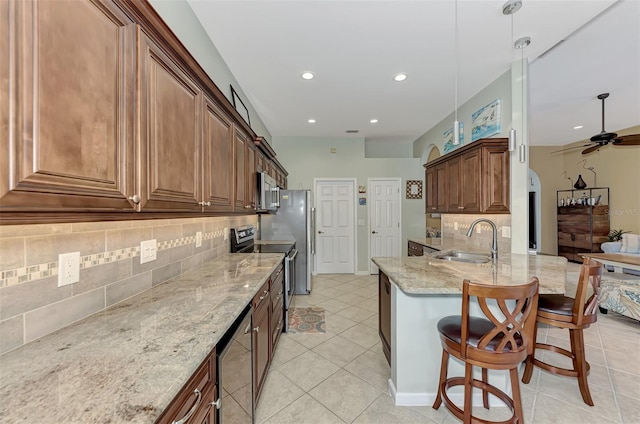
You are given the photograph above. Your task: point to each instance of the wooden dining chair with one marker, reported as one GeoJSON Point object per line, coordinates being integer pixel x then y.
{"type": "Point", "coordinates": [576, 314]}
{"type": "Point", "coordinates": [499, 341]}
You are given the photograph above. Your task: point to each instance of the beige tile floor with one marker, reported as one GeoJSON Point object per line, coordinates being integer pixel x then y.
{"type": "Point", "coordinates": [341, 376]}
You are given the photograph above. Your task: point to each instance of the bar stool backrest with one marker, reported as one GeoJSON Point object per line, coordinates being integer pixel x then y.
{"type": "Point", "coordinates": [585, 309]}
{"type": "Point", "coordinates": [512, 333]}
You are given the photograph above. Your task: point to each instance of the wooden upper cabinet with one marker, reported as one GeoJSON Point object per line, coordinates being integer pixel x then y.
{"type": "Point", "coordinates": [218, 158]}
{"type": "Point", "coordinates": [169, 132]}
{"type": "Point", "coordinates": [67, 74]}
{"type": "Point", "coordinates": [260, 161]}
{"type": "Point", "coordinates": [240, 163]}
{"type": "Point", "coordinates": [495, 177]}
{"type": "Point", "coordinates": [474, 179]}
{"type": "Point", "coordinates": [251, 177]}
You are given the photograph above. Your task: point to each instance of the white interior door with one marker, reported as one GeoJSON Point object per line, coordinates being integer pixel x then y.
{"type": "Point", "coordinates": [384, 219]}
{"type": "Point", "coordinates": [335, 227]}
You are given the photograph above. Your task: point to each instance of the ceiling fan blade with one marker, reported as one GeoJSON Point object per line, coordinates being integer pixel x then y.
{"type": "Point", "coordinates": [628, 140]}
{"type": "Point", "coordinates": [571, 148]}
{"type": "Point", "coordinates": [591, 149]}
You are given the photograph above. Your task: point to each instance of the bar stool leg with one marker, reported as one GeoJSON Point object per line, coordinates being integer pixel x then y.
{"type": "Point", "coordinates": [443, 376]}
{"type": "Point", "coordinates": [528, 367]}
{"type": "Point", "coordinates": [515, 395]}
{"type": "Point", "coordinates": [580, 364]}
{"type": "Point", "coordinates": [468, 392]}
{"type": "Point", "coordinates": [485, 394]}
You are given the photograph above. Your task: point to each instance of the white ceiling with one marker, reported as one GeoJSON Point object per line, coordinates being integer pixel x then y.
{"type": "Point", "coordinates": [355, 48]}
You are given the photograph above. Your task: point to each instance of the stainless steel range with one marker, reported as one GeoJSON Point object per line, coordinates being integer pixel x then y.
{"type": "Point", "coordinates": [243, 240]}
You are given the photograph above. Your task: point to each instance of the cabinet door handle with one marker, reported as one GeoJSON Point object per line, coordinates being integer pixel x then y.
{"type": "Point", "coordinates": [433, 209]}
{"type": "Point", "coordinates": [217, 403]}
{"type": "Point", "coordinates": [203, 203]}
{"type": "Point", "coordinates": [135, 199]}
{"type": "Point", "coordinates": [192, 410]}
{"type": "Point", "coordinates": [256, 329]}
{"type": "Point", "coordinates": [264, 295]}
{"type": "Point", "coordinates": [460, 207]}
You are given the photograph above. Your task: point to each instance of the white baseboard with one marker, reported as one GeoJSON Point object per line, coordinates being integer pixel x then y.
{"type": "Point", "coordinates": [362, 273]}
{"type": "Point", "coordinates": [427, 399]}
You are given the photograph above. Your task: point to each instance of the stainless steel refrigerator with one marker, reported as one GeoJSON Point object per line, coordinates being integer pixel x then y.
{"type": "Point", "coordinates": [294, 219]}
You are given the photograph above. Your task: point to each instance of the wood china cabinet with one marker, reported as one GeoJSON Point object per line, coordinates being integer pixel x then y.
{"type": "Point", "coordinates": [471, 179]}
{"type": "Point", "coordinates": [71, 147]}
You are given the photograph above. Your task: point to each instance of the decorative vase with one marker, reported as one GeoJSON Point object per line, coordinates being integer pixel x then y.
{"type": "Point", "coordinates": [580, 184]}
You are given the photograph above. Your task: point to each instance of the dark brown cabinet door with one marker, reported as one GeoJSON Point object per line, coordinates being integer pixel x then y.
{"type": "Point", "coordinates": [67, 74]}
{"type": "Point", "coordinates": [251, 178]}
{"type": "Point", "coordinates": [218, 158]}
{"type": "Point", "coordinates": [470, 181]}
{"type": "Point", "coordinates": [261, 343]}
{"type": "Point", "coordinates": [454, 201]}
{"type": "Point", "coordinates": [169, 132]}
{"type": "Point", "coordinates": [495, 180]}
{"type": "Point", "coordinates": [240, 164]}
{"type": "Point", "coordinates": [384, 315]}
{"type": "Point", "coordinates": [441, 187]}
{"type": "Point", "coordinates": [430, 188]}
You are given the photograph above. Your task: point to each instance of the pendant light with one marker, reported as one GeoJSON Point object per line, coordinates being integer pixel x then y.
{"type": "Point", "coordinates": [456, 123]}
{"type": "Point", "coordinates": [520, 44]}
{"type": "Point", "coordinates": [509, 8]}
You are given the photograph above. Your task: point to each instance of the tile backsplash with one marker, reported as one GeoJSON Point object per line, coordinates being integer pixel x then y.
{"type": "Point", "coordinates": [31, 303]}
{"type": "Point", "coordinates": [456, 227]}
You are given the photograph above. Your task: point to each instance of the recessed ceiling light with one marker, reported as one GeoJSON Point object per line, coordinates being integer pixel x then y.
{"type": "Point", "coordinates": [374, 121]}
{"type": "Point", "coordinates": [307, 75]}
{"type": "Point", "coordinates": [311, 121]}
{"type": "Point", "coordinates": [577, 127]}
{"type": "Point", "coordinates": [400, 77]}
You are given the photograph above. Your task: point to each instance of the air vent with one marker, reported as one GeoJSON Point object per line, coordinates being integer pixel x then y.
{"type": "Point", "coordinates": [352, 131]}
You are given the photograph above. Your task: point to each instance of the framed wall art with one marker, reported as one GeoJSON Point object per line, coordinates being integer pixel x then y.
{"type": "Point", "coordinates": [239, 105]}
{"type": "Point", "coordinates": [414, 189]}
{"type": "Point", "coordinates": [485, 122]}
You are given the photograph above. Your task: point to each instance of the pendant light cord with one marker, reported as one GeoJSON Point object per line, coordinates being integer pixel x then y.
{"type": "Point", "coordinates": [455, 64]}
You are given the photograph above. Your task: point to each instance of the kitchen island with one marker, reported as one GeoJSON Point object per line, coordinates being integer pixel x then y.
{"type": "Point", "coordinates": [425, 289]}
{"type": "Point", "coordinates": [128, 362]}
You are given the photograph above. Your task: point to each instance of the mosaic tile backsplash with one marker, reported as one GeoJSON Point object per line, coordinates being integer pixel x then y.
{"type": "Point", "coordinates": [31, 303]}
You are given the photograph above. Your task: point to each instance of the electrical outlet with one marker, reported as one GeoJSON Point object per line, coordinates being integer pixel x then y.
{"type": "Point", "coordinates": [506, 231]}
{"type": "Point", "coordinates": [148, 251]}
{"type": "Point", "coordinates": [68, 268]}
{"type": "Point", "coordinates": [455, 226]}
{"type": "Point", "coordinates": [199, 239]}
{"type": "Point", "coordinates": [226, 233]}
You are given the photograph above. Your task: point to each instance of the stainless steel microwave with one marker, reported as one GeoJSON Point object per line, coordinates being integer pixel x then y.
{"type": "Point", "coordinates": [268, 193]}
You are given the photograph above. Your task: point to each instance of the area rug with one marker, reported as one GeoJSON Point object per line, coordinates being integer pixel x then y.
{"type": "Point", "coordinates": [308, 320]}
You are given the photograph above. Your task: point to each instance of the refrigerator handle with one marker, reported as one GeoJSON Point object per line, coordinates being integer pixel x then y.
{"type": "Point", "coordinates": [313, 231]}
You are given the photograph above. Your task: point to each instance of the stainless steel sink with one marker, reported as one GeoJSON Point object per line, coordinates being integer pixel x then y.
{"type": "Point", "coordinates": [471, 258]}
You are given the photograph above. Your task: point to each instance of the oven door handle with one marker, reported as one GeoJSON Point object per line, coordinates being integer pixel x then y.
{"type": "Point", "coordinates": [292, 257]}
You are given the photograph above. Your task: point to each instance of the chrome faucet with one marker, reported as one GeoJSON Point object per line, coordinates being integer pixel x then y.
{"type": "Point", "coordinates": [494, 244]}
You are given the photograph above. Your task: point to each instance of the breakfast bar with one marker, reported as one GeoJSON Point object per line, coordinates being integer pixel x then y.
{"type": "Point", "coordinates": [426, 289]}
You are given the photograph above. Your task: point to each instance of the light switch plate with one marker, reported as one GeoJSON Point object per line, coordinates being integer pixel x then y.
{"type": "Point", "coordinates": [148, 251]}
{"type": "Point", "coordinates": [506, 231]}
{"type": "Point", "coordinates": [199, 239]}
{"type": "Point", "coordinates": [68, 268]}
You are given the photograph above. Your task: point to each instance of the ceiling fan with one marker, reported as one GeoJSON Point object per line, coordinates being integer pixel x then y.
{"type": "Point", "coordinates": [603, 138]}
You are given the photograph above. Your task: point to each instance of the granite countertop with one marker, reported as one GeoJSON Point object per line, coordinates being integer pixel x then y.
{"type": "Point", "coordinates": [433, 242]}
{"type": "Point", "coordinates": [424, 275]}
{"type": "Point", "coordinates": [126, 364]}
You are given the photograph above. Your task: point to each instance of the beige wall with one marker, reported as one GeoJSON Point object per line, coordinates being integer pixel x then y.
{"type": "Point", "coordinates": [616, 167]}
{"type": "Point", "coordinates": [31, 303]}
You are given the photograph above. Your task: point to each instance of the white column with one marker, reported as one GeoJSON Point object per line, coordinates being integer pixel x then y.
{"type": "Point", "coordinates": [520, 171]}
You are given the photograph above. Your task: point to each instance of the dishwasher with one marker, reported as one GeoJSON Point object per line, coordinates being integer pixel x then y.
{"type": "Point", "coordinates": [234, 364]}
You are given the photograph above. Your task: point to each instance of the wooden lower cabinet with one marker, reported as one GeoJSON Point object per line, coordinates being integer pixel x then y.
{"type": "Point", "coordinates": [194, 398]}
{"type": "Point", "coordinates": [261, 339]}
{"type": "Point", "coordinates": [208, 413]}
{"type": "Point", "coordinates": [277, 306]}
{"type": "Point", "coordinates": [384, 313]}
{"type": "Point", "coordinates": [414, 249]}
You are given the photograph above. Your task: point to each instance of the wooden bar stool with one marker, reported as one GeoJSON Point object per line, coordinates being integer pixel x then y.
{"type": "Point", "coordinates": [576, 314]}
{"type": "Point", "coordinates": [495, 342]}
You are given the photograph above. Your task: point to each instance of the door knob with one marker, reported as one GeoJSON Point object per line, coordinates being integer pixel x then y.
{"type": "Point", "coordinates": [374, 232]}
{"type": "Point", "coordinates": [320, 232]}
